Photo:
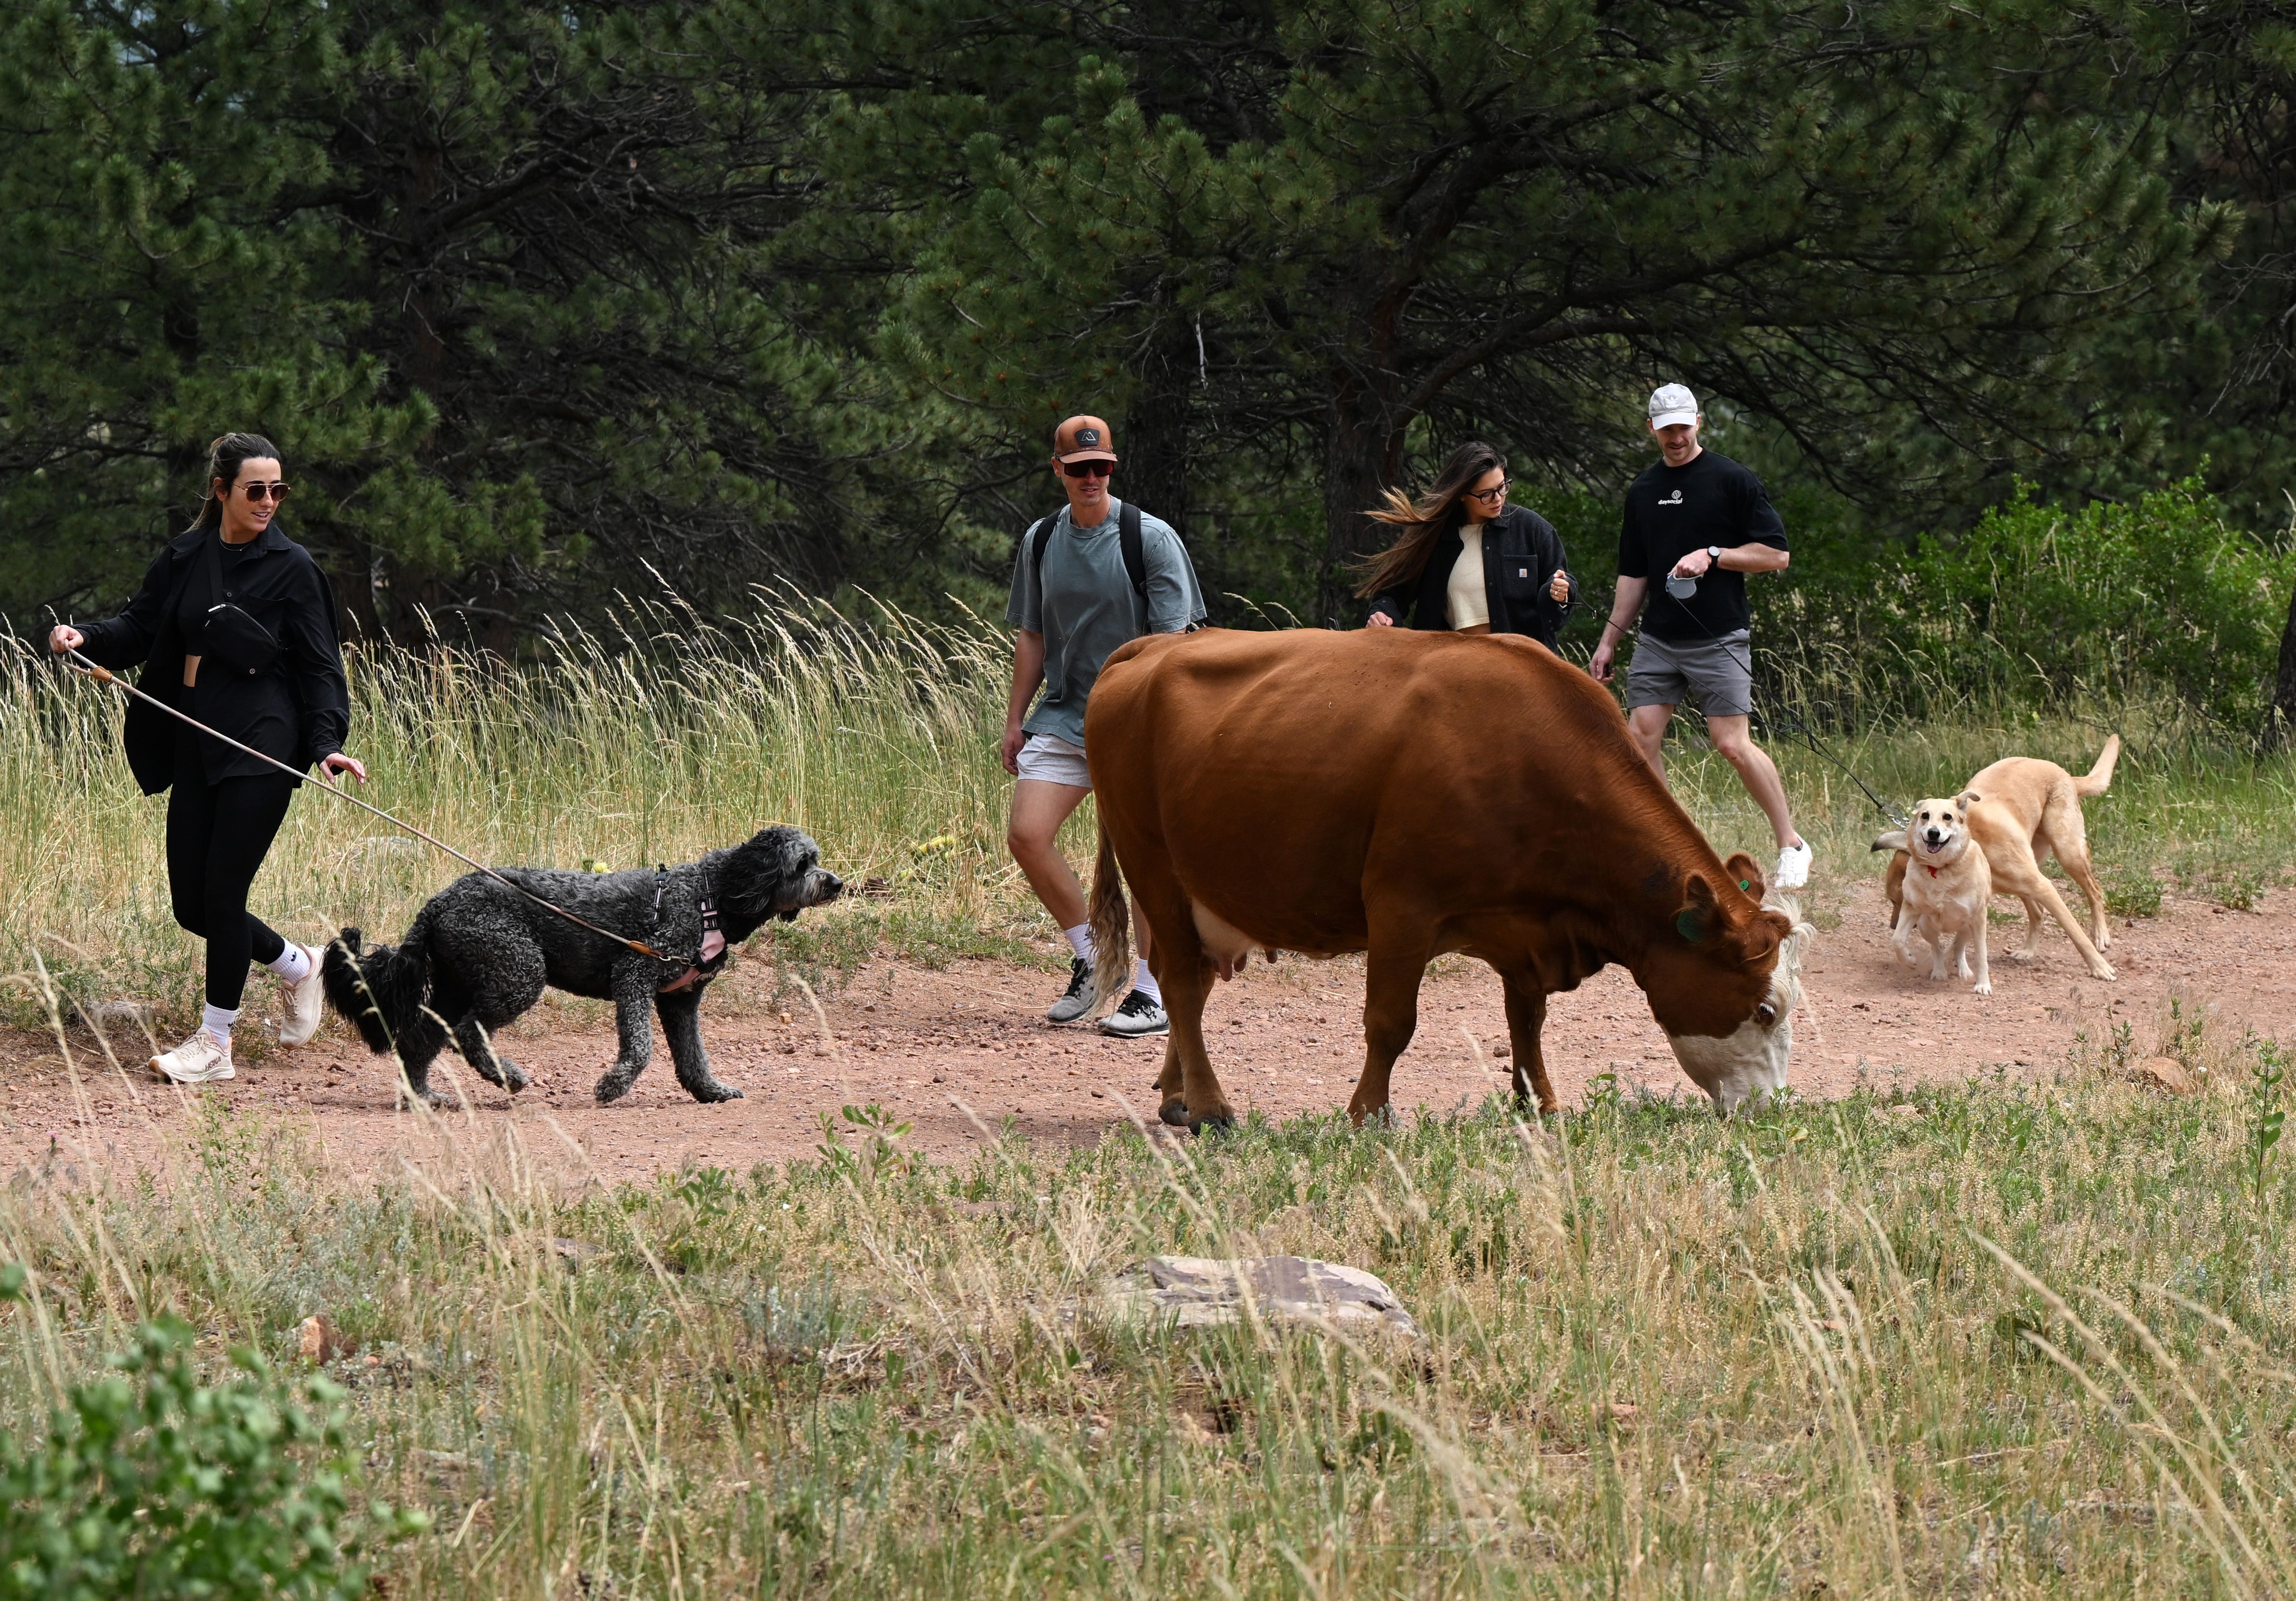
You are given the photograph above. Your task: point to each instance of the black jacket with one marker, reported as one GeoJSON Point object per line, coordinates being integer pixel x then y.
{"type": "Point", "coordinates": [1517, 568]}
{"type": "Point", "coordinates": [296, 710]}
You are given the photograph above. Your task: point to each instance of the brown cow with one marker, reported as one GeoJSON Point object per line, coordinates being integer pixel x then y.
{"type": "Point", "coordinates": [1406, 794]}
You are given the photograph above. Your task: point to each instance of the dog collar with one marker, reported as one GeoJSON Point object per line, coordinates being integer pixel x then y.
{"type": "Point", "coordinates": [1932, 870]}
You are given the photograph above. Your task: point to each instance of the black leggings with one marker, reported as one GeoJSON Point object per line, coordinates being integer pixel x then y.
{"type": "Point", "coordinates": [217, 837]}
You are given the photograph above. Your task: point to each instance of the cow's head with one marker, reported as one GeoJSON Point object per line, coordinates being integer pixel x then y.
{"type": "Point", "coordinates": [1724, 981]}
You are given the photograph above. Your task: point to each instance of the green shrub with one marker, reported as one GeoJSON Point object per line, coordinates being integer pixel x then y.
{"type": "Point", "coordinates": [2135, 893]}
{"type": "Point", "coordinates": [2035, 605]}
{"type": "Point", "coordinates": [149, 1484]}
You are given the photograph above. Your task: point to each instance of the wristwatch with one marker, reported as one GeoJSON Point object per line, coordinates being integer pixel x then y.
{"type": "Point", "coordinates": [1714, 555]}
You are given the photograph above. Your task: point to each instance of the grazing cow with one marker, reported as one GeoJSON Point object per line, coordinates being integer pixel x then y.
{"type": "Point", "coordinates": [1406, 794]}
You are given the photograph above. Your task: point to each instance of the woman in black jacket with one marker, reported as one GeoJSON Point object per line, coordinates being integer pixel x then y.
{"type": "Point", "coordinates": [1466, 560]}
{"type": "Point", "coordinates": [234, 626]}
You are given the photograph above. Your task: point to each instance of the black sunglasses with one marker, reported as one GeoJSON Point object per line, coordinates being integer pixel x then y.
{"type": "Point", "coordinates": [1088, 469]}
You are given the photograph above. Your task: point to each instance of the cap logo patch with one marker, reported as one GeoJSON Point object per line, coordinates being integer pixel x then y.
{"type": "Point", "coordinates": [1088, 436]}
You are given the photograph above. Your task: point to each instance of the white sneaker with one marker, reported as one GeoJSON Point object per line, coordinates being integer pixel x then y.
{"type": "Point", "coordinates": [1137, 1018]}
{"type": "Point", "coordinates": [1794, 868]}
{"type": "Point", "coordinates": [202, 1059]}
{"type": "Point", "coordinates": [306, 1004]}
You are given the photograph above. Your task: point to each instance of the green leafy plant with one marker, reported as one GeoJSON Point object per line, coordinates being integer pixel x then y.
{"type": "Point", "coordinates": [2132, 894]}
{"type": "Point", "coordinates": [2264, 1113]}
{"type": "Point", "coordinates": [877, 1150]}
{"type": "Point", "coordinates": [149, 1482]}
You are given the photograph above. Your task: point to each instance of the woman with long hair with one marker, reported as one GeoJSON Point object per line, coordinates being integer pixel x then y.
{"type": "Point", "coordinates": [1465, 560]}
{"type": "Point", "coordinates": [235, 626]}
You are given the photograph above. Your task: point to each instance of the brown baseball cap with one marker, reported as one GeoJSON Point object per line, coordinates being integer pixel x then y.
{"type": "Point", "coordinates": [1084, 440]}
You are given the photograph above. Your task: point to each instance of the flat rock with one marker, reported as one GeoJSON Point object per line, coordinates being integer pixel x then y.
{"type": "Point", "coordinates": [2166, 1072]}
{"type": "Point", "coordinates": [318, 1339]}
{"type": "Point", "coordinates": [1197, 1292]}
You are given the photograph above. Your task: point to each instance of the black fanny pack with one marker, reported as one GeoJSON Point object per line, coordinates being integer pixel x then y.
{"type": "Point", "coordinates": [232, 635]}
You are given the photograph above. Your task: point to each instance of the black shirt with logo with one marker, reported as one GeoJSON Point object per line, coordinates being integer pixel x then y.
{"type": "Point", "coordinates": [1673, 511]}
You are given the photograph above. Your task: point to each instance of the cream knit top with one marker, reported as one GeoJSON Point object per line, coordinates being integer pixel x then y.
{"type": "Point", "coordinates": [1467, 603]}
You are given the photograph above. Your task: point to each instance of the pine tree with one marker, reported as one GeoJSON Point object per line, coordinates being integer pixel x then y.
{"type": "Point", "coordinates": [1381, 219]}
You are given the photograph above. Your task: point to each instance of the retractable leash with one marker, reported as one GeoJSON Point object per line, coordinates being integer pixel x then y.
{"type": "Point", "coordinates": [1680, 588]}
{"type": "Point", "coordinates": [104, 674]}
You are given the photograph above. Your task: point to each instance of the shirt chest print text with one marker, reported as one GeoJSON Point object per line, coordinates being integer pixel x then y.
{"type": "Point", "coordinates": [1673, 499]}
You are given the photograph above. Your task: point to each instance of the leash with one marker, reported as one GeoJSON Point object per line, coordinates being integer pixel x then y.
{"type": "Point", "coordinates": [104, 674]}
{"type": "Point", "coordinates": [1797, 728]}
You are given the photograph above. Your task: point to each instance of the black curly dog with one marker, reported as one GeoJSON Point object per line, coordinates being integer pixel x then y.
{"type": "Point", "coordinates": [478, 957]}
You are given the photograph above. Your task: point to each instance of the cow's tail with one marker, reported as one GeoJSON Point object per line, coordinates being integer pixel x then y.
{"type": "Point", "coordinates": [380, 992]}
{"type": "Point", "coordinates": [1112, 927]}
{"type": "Point", "coordinates": [2100, 776]}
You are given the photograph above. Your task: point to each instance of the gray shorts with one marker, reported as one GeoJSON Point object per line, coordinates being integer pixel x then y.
{"type": "Point", "coordinates": [1716, 674]}
{"type": "Point", "coordinates": [1048, 759]}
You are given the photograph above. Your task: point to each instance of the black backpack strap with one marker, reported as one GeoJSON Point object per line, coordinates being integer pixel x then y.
{"type": "Point", "coordinates": [1038, 537]}
{"type": "Point", "coordinates": [1135, 555]}
{"type": "Point", "coordinates": [211, 567]}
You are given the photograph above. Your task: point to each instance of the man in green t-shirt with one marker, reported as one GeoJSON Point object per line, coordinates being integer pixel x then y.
{"type": "Point", "coordinates": [1075, 598]}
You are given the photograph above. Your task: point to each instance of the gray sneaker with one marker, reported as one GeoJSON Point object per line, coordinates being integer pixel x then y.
{"type": "Point", "coordinates": [1081, 996]}
{"type": "Point", "coordinates": [1136, 1018]}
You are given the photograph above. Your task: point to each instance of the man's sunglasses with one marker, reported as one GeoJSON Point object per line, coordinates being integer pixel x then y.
{"type": "Point", "coordinates": [265, 491]}
{"type": "Point", "coordinates": [1488, 497]}
{"type": "Point", "coordinates": [1088, 469]}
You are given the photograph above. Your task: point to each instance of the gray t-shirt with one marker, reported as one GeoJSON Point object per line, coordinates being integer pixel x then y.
{"type": "Point", "coordinates": [1087, 608]}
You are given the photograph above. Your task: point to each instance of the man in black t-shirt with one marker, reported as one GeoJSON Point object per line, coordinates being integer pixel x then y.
{"type": "Point", "coordinates": [1701, 523]}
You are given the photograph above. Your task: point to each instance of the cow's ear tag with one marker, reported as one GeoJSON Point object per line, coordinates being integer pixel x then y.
{"type": "Point", "coordinates": [1746, 884]}
{"type": "Point", "coordinates": [1690, 923]}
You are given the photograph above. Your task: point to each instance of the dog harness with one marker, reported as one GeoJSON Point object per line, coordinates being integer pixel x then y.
{"type": "Point", "coordinates": [711, 956]}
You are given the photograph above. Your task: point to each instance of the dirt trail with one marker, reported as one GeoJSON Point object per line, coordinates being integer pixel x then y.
{"type": "Point", "coordinates": [1285, 1040]}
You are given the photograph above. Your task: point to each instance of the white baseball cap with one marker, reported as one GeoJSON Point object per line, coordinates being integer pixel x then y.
{"type": "Point", "coordinates": [1672, 403]}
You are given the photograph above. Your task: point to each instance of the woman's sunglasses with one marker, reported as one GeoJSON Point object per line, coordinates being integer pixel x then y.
{"type": "Point", "coordinates": [265, 491]}
{"type": "Point", "coordinates": [1088, 469]}
{"type": "Point", "coordinates": [1488, 497]}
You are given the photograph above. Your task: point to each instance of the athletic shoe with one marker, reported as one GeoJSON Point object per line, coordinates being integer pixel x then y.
{"type": "Point", "coordinates": [306, 1004]}
{"type": "Point", "coordinates": [1081, 996]}
{"type": "Point", "coordinates": [1794, 868]}
{"type": "Point", "coordinates": [1136, 1018]}
{"type": "Point", "coordinates": [202, 1059]}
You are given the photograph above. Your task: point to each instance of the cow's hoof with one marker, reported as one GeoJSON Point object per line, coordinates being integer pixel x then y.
{"type": "Point", "coordinates": [1175, 1112]}
{"type": "Point", "coordinates": [1217, 1124]}
{"type": "Point", "coordinates": [713, 1092]}
{"type": "Point", "coordinates": [613, 1088]}
{"type": "Point", "coordinates": [514, 1077]}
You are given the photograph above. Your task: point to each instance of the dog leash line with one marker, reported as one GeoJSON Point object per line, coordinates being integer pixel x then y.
{"type": "Point", "coordinates": [104, 674]}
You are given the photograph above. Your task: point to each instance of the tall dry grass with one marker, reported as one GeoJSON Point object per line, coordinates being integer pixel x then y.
{"type": "Point", "coordinates": [2026, 1339]}
{"type": "Point", "coordinates": [663, 736]}
{"type": "Point", "coordinates": [2014, 1339]}
{"type": "Point", "coordinates": [652, 741]}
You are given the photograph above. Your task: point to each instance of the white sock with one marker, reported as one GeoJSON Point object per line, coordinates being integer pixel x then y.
{"type": "Point", "coordinates": [1079, 939]}
{"type": "Point", "coordinates": [1145, 981]}
{"type": "Point", "coordinates": [293, 963]}
{"type": "Point", "coordinates": [218, 1021]}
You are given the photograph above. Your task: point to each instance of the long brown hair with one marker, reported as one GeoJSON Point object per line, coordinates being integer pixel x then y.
{"type": "Point", "coordinates": [226, 458]}
{"type": "Point", "coordinates": [1425, 519]}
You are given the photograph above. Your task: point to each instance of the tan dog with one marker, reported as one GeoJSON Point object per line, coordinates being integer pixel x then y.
{"type": "Point", "coordinates": [2022, 806]}
{"type": "Point", "coordinates": [1946, 888]}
